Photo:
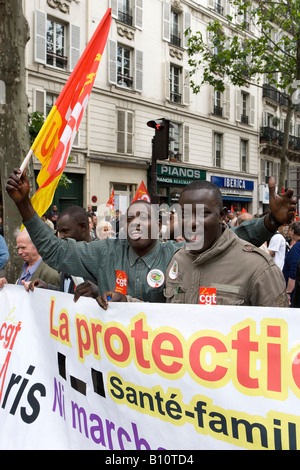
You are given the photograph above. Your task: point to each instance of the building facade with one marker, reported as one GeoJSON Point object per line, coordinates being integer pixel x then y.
{"type": "Point", "coordinates": [143, 76]}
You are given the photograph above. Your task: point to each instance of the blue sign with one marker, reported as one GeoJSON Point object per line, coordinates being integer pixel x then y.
{"type": "Point", "coordinates": [232, 183]}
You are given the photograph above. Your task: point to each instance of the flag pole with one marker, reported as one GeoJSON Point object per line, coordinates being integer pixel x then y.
{"type": "Point", "coordinates": [26, 160]}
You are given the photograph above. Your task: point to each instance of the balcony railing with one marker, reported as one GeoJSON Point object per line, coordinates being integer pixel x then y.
{"type": "Point", "coordinates": [175, 97]}
{"type": "Point", "coordinates": [274, 136]}
{"type": "Point", "coordinates": [125, 17]}
{"type": "Point", "coordinates": [218, 111]}
{"type": "Point", "coordinates": [244, 119]}
{"type": "Point", "coordinates": [273, 94]}
{"type": "Point", "coordinates": [57, 60]}
{"type": "Point", "coordinates": [174, 39]}
{"type": "Point", "coordinates": [125, 80]}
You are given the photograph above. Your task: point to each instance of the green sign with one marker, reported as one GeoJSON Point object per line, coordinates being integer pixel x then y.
{"type": "Point", "coordinates": [178, 175]}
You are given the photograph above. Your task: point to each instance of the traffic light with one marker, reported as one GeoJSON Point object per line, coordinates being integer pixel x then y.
{"type": "Point", "coordinates": [162, 139]}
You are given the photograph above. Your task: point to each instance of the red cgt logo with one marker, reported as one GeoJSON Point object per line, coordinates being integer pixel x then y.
{"type": "Point", "coordinates": [207, 296]}
{"type": "Point", "coordinates": [121, 282]}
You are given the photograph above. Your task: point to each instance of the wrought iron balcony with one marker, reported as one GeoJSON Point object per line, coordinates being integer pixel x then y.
{"type": "Point", "coordinates": [125, 17]}
{"type": "Point", "coordinates": [218, 111]}
{"type": "Point", "coordinates": [275, 137]}
{"type": "Point", "coordinates": [273, 94]}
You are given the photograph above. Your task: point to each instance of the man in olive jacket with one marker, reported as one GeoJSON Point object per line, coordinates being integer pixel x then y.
{"type": "Point", "coordinates": [216, 267]}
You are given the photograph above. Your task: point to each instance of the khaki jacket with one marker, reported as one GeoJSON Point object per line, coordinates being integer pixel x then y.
{"type": "Point", "coordinates": [237, 272]}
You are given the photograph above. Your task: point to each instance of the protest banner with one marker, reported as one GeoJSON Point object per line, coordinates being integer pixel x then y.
{"type": "Point", "coordinates": [146, 376]}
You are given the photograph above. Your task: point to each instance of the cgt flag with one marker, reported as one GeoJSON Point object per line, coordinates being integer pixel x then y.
{"type": "Point", "coordinates": [111, 202]}
{"type": "Point", "coordinates": [53, 144]}
{"type": "Point", "coordinates": [142, 193]}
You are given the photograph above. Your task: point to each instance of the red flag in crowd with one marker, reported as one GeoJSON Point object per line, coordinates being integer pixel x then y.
{"type": "Point", "coordinates": [142, 193]}
{"type": "Point", "coordinates": [111, 202]}
{"type": "Point", "coordinates": [53, 144]}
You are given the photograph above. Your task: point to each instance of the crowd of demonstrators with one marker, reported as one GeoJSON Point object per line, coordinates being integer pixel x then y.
{"type": "Point", "coordinates": [146, 265]}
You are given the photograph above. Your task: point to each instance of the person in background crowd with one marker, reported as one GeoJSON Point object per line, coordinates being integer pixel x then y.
{"type": "Point", "coordinates": [116, 222]}
{"type": "Point", "coordinates": [4, 254]}
{"type": "Point", "coordinates": [205, 274]}
{"type": "Point", "coordinates": [47, 221]}
{"type": "Point", "coordinates": [140, 262]}
{"type": "Point", "coordinates": [104, 230]}
{"type": "Point", "coordinates": [54, 215]}
{"type": "Point", "coordinates": [242, 217]}
{"type": "Point", "coordinates": [93, 224]}
{"type": "Point", "coordinates": [291, 261]}
{"type": "Point", "coordinates": [277, 248]}
{"type": "Point", "coordinates": [34, 267]}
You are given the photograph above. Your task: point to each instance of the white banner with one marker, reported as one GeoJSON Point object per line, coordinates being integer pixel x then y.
{"type": "Point", "coordinates": [146, 376]}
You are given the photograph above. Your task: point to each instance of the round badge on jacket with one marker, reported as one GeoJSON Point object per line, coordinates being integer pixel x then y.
{"type": "Point", "coordinates": [155, 278]}
{"type": "Point", "coordinates": [173, 273]}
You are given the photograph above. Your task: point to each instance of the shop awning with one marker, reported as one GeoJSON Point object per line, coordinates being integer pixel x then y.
{"type": "Point", "coordinates": [236, 198]}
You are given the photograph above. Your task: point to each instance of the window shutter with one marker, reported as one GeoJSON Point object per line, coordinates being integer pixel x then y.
{"type": "Point", "coordinates": [238, 105]}
{"type": "Point", "coordinates": [139, 14]}
{"type": "Point", "coordinates": [226, 102]}
{"type": "Point", "coordinates": [112, 62]}
{"type": "Point", "coordinates": [121, 131]}
{"type": "Point", "coordinates": [139, 71]}
{"type": "Point", "coordinates": [129, 132]}
{"type": "Point", "coordinates": [187, 21]}
{"type": "Point", "coordinates": [263, 171]}
{"type": "Point", "coordinates": [39, 102]}
{"type": "Point", "coordinates": [167, 75]}
{"type": "Point", "coordinates": [252, 110]}
{"type": "Point", "coordinates": [186, 143]}
{"type": "Point", "coordinates": [186, 88]}
{"type": "Point", "coordinates": [40, 36]}
{"type": "Point", "coordinates": [75, 46]}
{"type": "Point", "coordinates": [166, 21]}
{"type": "Point", "coordinates": [114, 8]}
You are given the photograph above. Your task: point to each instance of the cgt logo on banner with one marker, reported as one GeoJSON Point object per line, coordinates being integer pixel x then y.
{"type": "Point", "coordinates": [136, 377]}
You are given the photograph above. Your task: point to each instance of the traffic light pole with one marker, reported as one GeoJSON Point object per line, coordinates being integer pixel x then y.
{"type": "Point", "coordinates": [153, 183]}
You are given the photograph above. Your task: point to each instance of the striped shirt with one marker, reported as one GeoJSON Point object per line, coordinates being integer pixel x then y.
{"type": "Point", "coordinates": [99, 260]}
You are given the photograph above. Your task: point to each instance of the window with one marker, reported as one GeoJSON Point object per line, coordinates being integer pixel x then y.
{"type": "Point", "coordinates": [123, 196]}
{"type": "Point", "coordinates": [50, 100]}
{"type": "Point", "coordinates": [244, 155]}
{"type": "Point", "coordinates": [175, 23]}
{"type": "Point", "coordinates": [124, 12]}
{"type": "Point", "coordinates": [56, 55]}
{"type": "Point", "coordinates": [124, 77]}
{"type": "Point", "coordinates": [175, 86]}
{"type": "Point", "coordinates": [129, 12]}
{"type": "Point", "coordinates": [175, 36]}
{"type": "Point", "coordinates": [125, 66]}
{"type": "Point", "coordinates": [244, 114]}
{"type": "Point", "coordinates": [217, 103]}
{"type": "Point", "coordinates": [175, 144]}
{"type": "Point", "coordinates": [217, 150]}
{"type": "Point", "coordinates": [124, 131]}
{"type": "Point", "coordinates": [218, 7]}
{"type": "Point", "coordinates": [57, 44]}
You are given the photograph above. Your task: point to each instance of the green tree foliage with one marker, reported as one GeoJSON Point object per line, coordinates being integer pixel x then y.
{"type": "Point", "coordinates": [257, 41]}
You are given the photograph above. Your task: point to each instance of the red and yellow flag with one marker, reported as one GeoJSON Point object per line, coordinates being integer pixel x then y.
{"type": "Point", "coordinates": [142, 193]}
{"type": "Point", "coordinates": [53, 144]}
{"type": "Point", "coordinates": [111, 202]}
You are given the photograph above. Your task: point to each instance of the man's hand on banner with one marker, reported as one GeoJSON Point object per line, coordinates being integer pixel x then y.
{"type": "Point", "coordinates": [110, 296]}
{"type": "Point", "coordinates": [85, 289]}
{"type": "Point", "coordinates": [2, 282]}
